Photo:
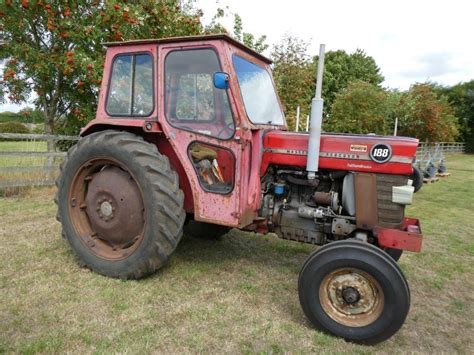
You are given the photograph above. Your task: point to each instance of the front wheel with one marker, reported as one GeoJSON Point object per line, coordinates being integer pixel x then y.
{"type": "Point", "coordinates": [354, 291]}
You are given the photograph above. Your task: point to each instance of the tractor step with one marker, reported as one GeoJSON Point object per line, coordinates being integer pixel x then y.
{"type": "Point", "coordinates": [443, 174]}
{"type": "Point", "coordinates": [430, 180]}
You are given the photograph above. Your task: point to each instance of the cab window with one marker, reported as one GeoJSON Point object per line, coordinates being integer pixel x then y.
{"type": "Point", "coordinates": [191, 101]}
{"type": "Point", "coordinates": [131, 86]}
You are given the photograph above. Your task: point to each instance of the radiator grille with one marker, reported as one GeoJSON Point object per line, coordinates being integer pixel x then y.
{"type": "Point", "coordinates": [390, 214]}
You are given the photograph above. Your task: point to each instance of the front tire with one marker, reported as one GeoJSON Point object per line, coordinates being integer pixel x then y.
{"type": "Point", "coordinates": [354, 291]}
{"type": "Point", "coordinates": [119, 204]}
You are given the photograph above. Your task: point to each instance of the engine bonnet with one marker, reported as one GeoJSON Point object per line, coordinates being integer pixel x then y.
{"type": "Point", "coordinates": [351, 152]}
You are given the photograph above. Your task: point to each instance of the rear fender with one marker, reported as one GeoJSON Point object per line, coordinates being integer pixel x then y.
{"type": "Point", "coordinates": [129, 125]}
{"type": "Point", "coordinates": [151, 132]}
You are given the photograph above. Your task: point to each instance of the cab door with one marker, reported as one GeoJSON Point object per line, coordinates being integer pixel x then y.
{"type": "Point", "coordinates": [200, 123]}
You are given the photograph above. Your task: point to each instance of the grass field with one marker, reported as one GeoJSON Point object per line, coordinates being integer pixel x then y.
{"type": "Point", "coordinates": [238, 294]}
{"type": "Point", "coordinates": [14, 168]}
{"type": "Point", "coordinates": [25, 146]}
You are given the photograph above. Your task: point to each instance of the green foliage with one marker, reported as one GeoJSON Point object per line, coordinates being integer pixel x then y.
{"type": "Point", "coordinates": [215, 27]}
{"type": "Point", "coordinates": [10, 116]}
{"type": "Point", "coordinates": [425, 115]}
{"type": "Point", "coordinates": [295, 73]}
{"type": "Point", "coordinates": [258, 44]}
{"type": "Point", "coordinates": [30, 115]}
{"type": "Point", "coordinates": [361, 108]}
{"type": "Point", "coordinates": [293, 77]}
{"type": "Point", "coordinates": [341, 68]}
{"type": "Point", "coordinates": [26, 115]}
{"type": "Point", "coordinates": [13, 127]}
{"type": "Point", "coordinates": [461, 98]}
{"type": "Point", "coordinates": [366, 108]}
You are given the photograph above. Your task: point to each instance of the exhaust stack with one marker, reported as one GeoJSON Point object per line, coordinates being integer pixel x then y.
{"type": "Point", "coordinates": [316, 120]}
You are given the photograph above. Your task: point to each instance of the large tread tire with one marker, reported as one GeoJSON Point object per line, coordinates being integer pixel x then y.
{"type": "Point", "coordinates": [370, 260]}
{"type": "Point", "coordinates": [204, 230]}
{"type": "Point", "coordinates": [162, 200]}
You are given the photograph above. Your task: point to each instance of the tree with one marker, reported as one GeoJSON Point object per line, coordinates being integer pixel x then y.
{"type": "Point", "coordinates": [258, 44]}
{"type": "Point", "coordinates": [341, 68]}
{"type": "Point", "coordinates": [54, 48]}
{"type": "Point", "coordinates": [461, 98]}
{"type": "Point", "coordinates": [293, 76]}
{"type": "Point", "coordinates": [424, 115]}
{"type": "Point", "coordinates": [362, 108]}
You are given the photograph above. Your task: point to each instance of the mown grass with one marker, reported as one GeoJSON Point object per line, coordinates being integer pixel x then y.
{"type": "Point", "coordinates": [238, 294]}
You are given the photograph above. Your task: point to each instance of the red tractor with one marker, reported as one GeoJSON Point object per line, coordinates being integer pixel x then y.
{"type": "Point", "coordinates": [191, 130]}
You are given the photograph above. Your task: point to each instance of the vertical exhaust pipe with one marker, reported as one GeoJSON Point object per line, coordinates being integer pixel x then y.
{"type": "Point", "coordinates": [316, 120]}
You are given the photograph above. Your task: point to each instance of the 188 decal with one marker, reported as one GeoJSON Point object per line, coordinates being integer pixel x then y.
{"type": "Point", "coordinates": [381, 153]}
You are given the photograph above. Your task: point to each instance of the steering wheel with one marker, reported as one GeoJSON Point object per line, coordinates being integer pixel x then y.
{"type": "Point", "coordinates": [228, 126]}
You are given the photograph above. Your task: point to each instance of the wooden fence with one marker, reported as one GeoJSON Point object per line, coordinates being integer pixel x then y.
{"type": "Point", "coordinates": [26, 160]}
{"type": "Point", "coordinates": [444, 147]}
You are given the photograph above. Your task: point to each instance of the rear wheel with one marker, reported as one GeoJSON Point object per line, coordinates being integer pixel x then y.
{"type": "Point", "coordinates": [119, 204]}
{"type": "Point", "coordinates": [353, 290]}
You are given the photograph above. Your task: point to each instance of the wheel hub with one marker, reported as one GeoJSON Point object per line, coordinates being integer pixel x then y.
{"type": "Point", "coordinates": [351, 297]}
{"type": "Point", "coordinates": [115, 207]}
{"type": "Point", "coordinates": [106, 209]}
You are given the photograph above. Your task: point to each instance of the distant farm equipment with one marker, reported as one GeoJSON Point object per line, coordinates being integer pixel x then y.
{"type": "Point", "coordinates": [430, 158]}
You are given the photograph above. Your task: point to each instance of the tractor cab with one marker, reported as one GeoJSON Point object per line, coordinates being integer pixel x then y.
{"type": "Point", "coordinates": [211, 98]}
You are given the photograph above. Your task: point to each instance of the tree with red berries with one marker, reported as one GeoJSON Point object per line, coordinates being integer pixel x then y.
{"type": "Point", "coordinates": [53, 50]}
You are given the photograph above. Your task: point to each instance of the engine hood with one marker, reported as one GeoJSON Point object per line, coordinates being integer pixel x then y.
{"type": "Point", "coordinates": [352, 152]}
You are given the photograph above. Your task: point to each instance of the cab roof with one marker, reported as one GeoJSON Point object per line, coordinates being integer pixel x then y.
{"type": "Point", "coordinates": [222, 37]}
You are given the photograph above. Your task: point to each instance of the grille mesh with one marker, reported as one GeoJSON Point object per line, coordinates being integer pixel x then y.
{"type": "Point", "coordinates": [390, 215]}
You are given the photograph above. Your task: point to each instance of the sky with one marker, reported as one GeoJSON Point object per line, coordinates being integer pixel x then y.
{"type": "Point", "coordinates": [411, 41]}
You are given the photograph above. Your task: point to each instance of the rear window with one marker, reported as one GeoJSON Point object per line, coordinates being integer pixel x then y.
{"type": "Point", "coordinates": [131, 86]}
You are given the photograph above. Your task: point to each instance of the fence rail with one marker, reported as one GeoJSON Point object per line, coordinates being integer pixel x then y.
{"type": "Point", "coordinates": [22, 166]}
{"type": "Point", "coordinates": [37, 137]}
{"type": "Point", "coordinates": [26, 159]}
{"type": "Point", "coordinates": [444, 147]}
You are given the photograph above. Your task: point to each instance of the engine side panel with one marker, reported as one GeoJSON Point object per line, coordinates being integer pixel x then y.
{"type": "Point", "coordinates": [339, 152]}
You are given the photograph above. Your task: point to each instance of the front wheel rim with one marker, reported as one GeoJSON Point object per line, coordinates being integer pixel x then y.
{"type": "Point", "coordinates": [351, 297]}
{"type": "Point", "coordinates": [106, 208]}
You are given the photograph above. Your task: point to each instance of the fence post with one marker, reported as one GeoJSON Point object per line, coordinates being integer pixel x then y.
{"type": "Point", "coordinates": [50, 147]}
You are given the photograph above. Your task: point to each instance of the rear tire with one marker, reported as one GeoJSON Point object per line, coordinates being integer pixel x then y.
{"type": "Point", "coordinates": [355, 291]}
{"type": "Point", "coordinates": [119, 204]}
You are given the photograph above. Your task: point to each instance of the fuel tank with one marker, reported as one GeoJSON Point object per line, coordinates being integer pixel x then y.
{"type": "Point", "coordinates": [352, 152]}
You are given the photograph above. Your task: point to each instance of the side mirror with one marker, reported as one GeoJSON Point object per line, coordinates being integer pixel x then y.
{"type": "Point", "coordinates": [221, 80]}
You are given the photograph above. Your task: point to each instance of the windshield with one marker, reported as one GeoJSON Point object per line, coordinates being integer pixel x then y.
{"type": "Point", "coordinates": [260, 99]}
